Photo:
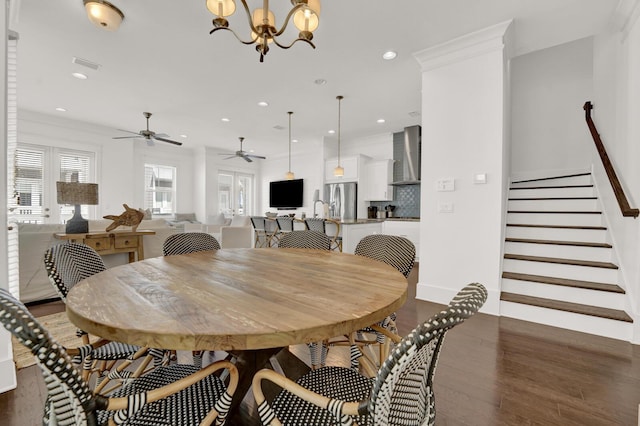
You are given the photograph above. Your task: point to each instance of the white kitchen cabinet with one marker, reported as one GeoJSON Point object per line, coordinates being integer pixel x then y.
{"type": "Point", "coordinates": [404, 228]}
{"type": "Point", "coordinates": [351, 167]}
{"type": "Point", "coordinates": [379, 175]}
{"type": "Point", "coordinates": [353, 233]}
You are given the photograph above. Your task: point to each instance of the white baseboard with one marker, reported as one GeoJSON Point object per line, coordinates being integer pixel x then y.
{"type": "Point", "coordinates": [7, 375]}
{"type": "Point", "coordinates": [443, 295]}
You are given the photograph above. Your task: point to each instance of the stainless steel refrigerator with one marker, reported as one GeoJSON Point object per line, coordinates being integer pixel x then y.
{"type": "Point", "coordinates": [342, 199]}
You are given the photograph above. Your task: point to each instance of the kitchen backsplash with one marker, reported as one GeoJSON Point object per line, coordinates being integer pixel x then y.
{"type": "Point", "coordinates": [406, 199]}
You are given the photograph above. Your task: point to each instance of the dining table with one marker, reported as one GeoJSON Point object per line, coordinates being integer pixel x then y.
{"type": "Point", "coordinates": [250, 302]}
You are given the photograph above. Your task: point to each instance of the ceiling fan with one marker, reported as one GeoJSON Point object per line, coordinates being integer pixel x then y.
{"type": "Point", "coordinates": [148, 135]}
{"type": "Point", "coordinates": [243, 154]}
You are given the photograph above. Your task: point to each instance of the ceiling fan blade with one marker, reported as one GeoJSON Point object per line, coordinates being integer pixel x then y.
{"type": "Point", "coordinates": [247, 159]}
{"type": "Point", "coordinates": [224, 153]}
{"type": "Point", "coordinates": [256, 156]}
{"type": "Point", "coordinates": [128, 131]}
{"type": "Point", "coordinates": [230, 157]}
{"type": "Point", "coordinates": [167, 140]}
{"type": "Point", "coordinates": [160, 135]}
{"type": "Point", "coordinates": [126, 137]}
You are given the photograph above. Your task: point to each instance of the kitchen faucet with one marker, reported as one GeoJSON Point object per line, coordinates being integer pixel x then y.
{"type": "Point", "coordinates": [314, 207]}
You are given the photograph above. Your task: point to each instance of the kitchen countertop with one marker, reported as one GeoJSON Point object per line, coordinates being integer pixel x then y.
{"type": "Point", "coordinates": [364, 221]}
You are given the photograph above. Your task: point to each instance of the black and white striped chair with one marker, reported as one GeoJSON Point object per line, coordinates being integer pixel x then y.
{"type": "Point", "coordinates": [169, 395]}
{"type": "Point", "coordinates": [66, 265]}
{"type": "Point", "coordinates": [305, 239]}
{"type": "Point", "coordinates": [189, 242]}
{"type": "Point", "coordinates": [401, 393]}
{"type": "Point", "coordinates": [284, 225]}
{"type": "Point", "coordinates": [320, 225]}
{"type": "Point", "coordinates": [261, 232]}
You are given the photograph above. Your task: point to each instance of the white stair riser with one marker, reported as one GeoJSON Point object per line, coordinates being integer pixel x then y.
{"type": "Point", "coordinates": [572, 272]}
{"type": "Point", "coordinates": [573, 180]}
{"type": "Point", "coordinates": [552, 192]}
{"type": "Point", "coordinates": [553, 205]}
{"type": "Point", "coordinates": [583, 235]}
{"type": "Point", "coordinates": [597, 254]}
{"type": "Point", "coordinates": [583, 323]}
{"type": "Point", "coordinates": [555, 219]}
{"type": "Point", "coordinates": [583, 296]}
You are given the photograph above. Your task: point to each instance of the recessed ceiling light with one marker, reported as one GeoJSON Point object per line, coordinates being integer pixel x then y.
{"type": "Point", "coordinates": [183, 136]}
{"type": "Point", "coordinates": [389, 55]}
{"type": "Point", "coordinates": [79, 75]}
{"type": "Point", "coordinates": [320, 81]}
{"type": "Point", "coordinates": [380, 120]}
{"type": "Point", "coordinates": [263, 104]}
{"type": "Point", "coordinates": [226, 120]}
{"type": "Point", "coordinates": [60, 109]}
{"type": "Point", "coordinates": [331, 132]}
{"type": "Point", "coordinates": [294, 140]}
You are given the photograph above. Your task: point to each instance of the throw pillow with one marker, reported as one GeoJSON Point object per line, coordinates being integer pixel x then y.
{"type": "Point", "coordinates": [186, 217]}
{"type": "Point", "coordinates": [240, 221]}
{"type": "Point", "coordinates": [217, 219]}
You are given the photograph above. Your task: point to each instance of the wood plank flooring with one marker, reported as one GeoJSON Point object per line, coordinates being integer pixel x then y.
{"type": "Point", "coordinates": [492, 371]}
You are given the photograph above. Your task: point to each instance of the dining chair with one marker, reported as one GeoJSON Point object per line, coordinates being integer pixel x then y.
{"type": "Point", "coordinates": [66, 265]}
{"type": "Point", "coordinates": [170, 395]}
{"type": "Point", "coordinates": [189, 242]}
{"type": "Point", "coordinates": [320, 225]}
{"type": "Point", "coordinates": [401, 393]}
{"type": "Point", "coordinates": [263, 235]}
{"type": "Point", "coordinates": [284, 225]}
{"type": "Point", "coordinates": [305, 239]}
{"type": "Point", "coordinates": [400, 253]}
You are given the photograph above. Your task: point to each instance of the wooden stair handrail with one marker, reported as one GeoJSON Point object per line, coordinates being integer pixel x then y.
{"type": "Point", "coordinates": [627, 211]}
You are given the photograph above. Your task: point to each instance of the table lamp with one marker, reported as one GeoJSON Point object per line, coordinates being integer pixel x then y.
{"type": "Point", "coordinates": [77, 193]}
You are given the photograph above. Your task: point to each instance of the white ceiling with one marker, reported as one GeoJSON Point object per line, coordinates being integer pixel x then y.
{"type": "Point", "coordinates": [163, 60]}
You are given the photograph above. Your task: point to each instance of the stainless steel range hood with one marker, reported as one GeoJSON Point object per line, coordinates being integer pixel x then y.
{"type": "Point", "coordinates": [406, 156]}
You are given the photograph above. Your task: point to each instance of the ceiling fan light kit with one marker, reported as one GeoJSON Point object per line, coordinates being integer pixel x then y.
{"type": "Point", "coordinates": [305, 15]}
{"type": "Point", "coordinates": [103, 14]}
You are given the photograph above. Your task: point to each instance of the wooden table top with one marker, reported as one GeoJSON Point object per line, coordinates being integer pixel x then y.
{"type": "Point", "coordinates": [236, 299]}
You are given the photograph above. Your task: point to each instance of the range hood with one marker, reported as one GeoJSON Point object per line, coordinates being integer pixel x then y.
{"type": "Point", "coordinates": [406, 156]}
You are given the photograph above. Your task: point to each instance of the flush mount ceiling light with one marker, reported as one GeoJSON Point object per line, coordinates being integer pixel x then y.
{"type": "Point", "coordinates": [339, 170]}
{"type": "Point", "coordinates": [79, 75]}
{"type": "Point", "coordinates": [389, 55]}
{"type": "Point", "coordinates": [103, 14]}
{"type": "Point", "coordinates": [289, 175]}
{"type": "Point", "coordinates": [262, 22]}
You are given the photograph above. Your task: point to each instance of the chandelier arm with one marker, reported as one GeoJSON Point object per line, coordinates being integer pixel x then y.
{"type": "Point", "coordinates": [234, 33]}
{"type": "Point", "coordinates": [246, 9]}
{"type": "Point", "coordinates": [287, 19]}
{"type": "Point", "coordinates": [282, 46]}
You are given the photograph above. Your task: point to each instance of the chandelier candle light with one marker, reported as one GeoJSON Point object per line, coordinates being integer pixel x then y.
{"type": "Point", "coordinates": [289, 175]}
{"type": "Point", "coordinates": [339, 170]}
{"type": "Point", "coordinates": [262, 22]}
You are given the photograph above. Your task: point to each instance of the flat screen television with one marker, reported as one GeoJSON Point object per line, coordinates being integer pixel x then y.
{"type": "Point", "coordinates": [285, 194]}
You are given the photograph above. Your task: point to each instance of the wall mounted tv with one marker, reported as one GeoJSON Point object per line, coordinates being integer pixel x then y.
{"type": "Point", "coordinates": [285, 194]}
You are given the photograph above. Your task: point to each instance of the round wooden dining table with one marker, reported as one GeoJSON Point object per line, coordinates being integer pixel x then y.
{"type": "Point", "coordinates": [250, 302]}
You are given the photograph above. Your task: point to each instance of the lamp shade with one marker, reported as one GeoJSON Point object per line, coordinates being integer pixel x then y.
{"type": "Point", "coordinates": [103, 14]}
{"type": "Point", "coordinates": [221, 8]}
{"type": "Point", "coordinates": [77, 193]}
{"type": "Point", "coordinates": [308, 17]}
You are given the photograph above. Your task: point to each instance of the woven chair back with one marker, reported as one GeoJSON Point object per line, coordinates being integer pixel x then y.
{"type": "Point", "coordinates": [259, 223]}
{"type": "Point", "coordinates": [393, 250]}
{"type": "Point", "coordinates": [189, 242]}
{"type": "Point", "coordinates": [402, 392]}
{"type": "Point", "coordinates": [315, 224]}
{"type": "Point", "coordinates": [68, 263]}
{"type": "Point", "coordinates": [305, 239]}
{"type": "Point", "coordinates": [285, 223]}
{"type": "Point", "coordinates": [69, 399]}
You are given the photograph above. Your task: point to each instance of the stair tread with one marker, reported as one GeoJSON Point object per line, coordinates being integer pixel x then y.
{"type": "Point", "coordinates": [589, 285]}
{"type": "Point", "coordinates": [552, 187]}
{"type": "Point", "coordinates": [535, 225]}
{"type": "Point", "coordinates": [560, 305]}
{"type": "Point", "coordinates": [556, 211]}
{"type": "Point", "coordinates": [575, 262]}
{"type": "Point", "coordinates": [554, 177]}
{"type": "Point", "coordinates": [559, 243]}
{"type": "Point", "coordinates": [551, 198]}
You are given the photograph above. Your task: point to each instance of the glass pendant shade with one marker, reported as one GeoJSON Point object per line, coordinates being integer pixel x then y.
{"type": "Point", "coordinates": [308, 18]}
{"type": "Point", "coordinates": [289, 175]}
{"type": "Point", "coordinates": [338, 171]}
{"type": "Point", "coordinates": [221, 8]}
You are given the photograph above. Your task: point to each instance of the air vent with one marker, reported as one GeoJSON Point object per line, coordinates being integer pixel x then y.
{"type": "Point", "coordinates": [85, 63]}
{"type": "Point", "coordinates": [278, 127]}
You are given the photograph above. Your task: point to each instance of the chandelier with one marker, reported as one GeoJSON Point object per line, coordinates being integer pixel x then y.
{"type": "Point", "coordinates": [262, 22]}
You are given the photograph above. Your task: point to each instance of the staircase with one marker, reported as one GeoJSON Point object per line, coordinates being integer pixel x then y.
{"type": "Point", "coordinates": [559, 268]}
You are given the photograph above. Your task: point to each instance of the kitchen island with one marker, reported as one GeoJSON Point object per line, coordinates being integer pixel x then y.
{"type": "Point", "coordinates": [354, 230]}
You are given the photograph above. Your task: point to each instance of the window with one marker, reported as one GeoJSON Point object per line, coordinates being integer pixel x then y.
{"type": "Point", "coordinates": [36, 170]}
{"type": "Point", "coordinates": [160, 189]}
{"type": "Point", "coordinates": [235, 194]}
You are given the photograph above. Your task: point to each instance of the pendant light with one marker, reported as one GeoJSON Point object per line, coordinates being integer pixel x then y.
{"type": "Point", "coordinates": [289, 175]}
{"type": "Point", "coordinates": [339, 170]}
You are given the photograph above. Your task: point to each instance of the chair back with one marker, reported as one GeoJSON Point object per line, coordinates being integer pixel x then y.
{"type": "Point", "coordinates": [189, 242]}
{"type": "Point", "coordinates": [402, 391]}
{"type": "Point", "coordinates": [69, 400]}
{"type": "Point", "coordinates": [305, 239]}
{"type": "Point", "coordinates": [259, 223]}
{"type": "Point", "coordinates": [68, 263]}
{"type": "Point", "coordinates": [393, 250]}
{"type": "Point", "coordinates": [315, 224]}
{"type": "Point", "coordinates": [285, 223]}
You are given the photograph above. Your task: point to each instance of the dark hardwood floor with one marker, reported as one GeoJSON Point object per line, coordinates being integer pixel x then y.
{"type": "Point", "coordinates": [492, 371]}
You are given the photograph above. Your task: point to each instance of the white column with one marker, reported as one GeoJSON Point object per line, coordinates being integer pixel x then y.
{"type": "Point", "coordinates": [464, 134]}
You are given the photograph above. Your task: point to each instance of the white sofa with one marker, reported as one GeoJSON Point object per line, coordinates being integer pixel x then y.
{"type": "Point", "coordinates": [236, 232]}
{"type": "Point", "coordinates": [34, 239]}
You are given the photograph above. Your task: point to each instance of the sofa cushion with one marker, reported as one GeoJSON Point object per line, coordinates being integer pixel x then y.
{"type": "Point", "coordinates": [240, 221]}
{"type": "Point", "coordinates": [217, 219]}
{"type": "Point", "coordinates": [185, 217]}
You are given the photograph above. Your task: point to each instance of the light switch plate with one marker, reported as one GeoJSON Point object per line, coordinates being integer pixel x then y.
{"type": "Point", "coordinates": [445, 184]}
{"type": "Point", "coordinates": [445, 207]}
{"type": "Point", "coordinates": [480, 178]}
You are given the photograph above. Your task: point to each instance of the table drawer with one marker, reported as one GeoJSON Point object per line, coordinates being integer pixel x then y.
{"type": "Point", "coordinates": [126, 241]}
{"type": "Point", "coordinates": [98, 243]}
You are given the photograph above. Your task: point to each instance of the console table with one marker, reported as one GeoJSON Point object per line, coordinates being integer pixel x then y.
{"type": "Point", "coordinates": [111, 242]}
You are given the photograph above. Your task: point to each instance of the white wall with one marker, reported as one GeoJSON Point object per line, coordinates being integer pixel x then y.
{"type": "Point", "coordinates": [463, 110]}
{"type": "Point", "coordinates": [549, 88]}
